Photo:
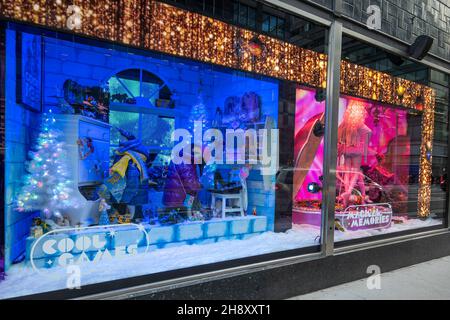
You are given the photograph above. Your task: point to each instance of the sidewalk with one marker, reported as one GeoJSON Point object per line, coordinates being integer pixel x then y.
{"type": "Point", "coordinates": [428, 280]}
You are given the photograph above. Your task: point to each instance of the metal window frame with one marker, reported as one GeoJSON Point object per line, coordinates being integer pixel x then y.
{"type": "Point", "coordinates": [394, 46]}
{"type": "Point", "coordinates": [336, 32]}
{"type": "Point", "coordinates": [225, 272]}
{"type": "Point", "coordinates": [330, 137]}
{"type": "Point", "coordinates": [327, 231]}
{"type": "Point", "coordinates": [340, 26]}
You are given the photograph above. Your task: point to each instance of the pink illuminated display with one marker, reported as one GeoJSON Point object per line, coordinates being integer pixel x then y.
{"type": "Point", "coordinates": [373, 164]}
{"type": "Point", "coordinates": [307, 109]}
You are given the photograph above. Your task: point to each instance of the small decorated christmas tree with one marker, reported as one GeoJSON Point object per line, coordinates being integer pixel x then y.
{"type": "Point", "coordinates": [198, 112]}
{"type": "Point", "coordinates": [47, 186]}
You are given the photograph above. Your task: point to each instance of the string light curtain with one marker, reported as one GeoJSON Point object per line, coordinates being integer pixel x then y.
{"type": "Point", "coordinates": [157, 26]}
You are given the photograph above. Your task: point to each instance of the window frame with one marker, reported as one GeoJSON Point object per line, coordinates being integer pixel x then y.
{"type": "Point", "coordinates": [391, 45]}
{"type": "Point", "coordinates": [179, 277]}
{"type": "Point", "coordinates": [140, 111]}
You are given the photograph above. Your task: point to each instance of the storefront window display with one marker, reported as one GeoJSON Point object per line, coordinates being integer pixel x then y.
{"type": "Point", "coordinates": [389, 136]}
{"type": "Point", "coordinates": [136, 162]}
{"type": "Point", "coordinates": [402, 172]}
{"type": "Point", "coordinates": [193, 141]}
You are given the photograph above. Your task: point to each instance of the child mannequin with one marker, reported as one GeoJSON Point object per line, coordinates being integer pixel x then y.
{"type": "Point", "coordinates": [353, 141]}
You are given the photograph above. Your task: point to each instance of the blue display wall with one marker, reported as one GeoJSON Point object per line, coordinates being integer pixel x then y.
{"type": "Point", "coordinates": [90, 65]}
{"type": "Point", "coordinates": [2, 156]}
{"type": "Point", "coordinates": [22, 126]}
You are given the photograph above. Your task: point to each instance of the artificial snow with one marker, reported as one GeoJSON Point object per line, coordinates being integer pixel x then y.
{"type": "Point", "coordinates": [22, 280]}
{"type": "Point", "coordinates": [406, 225]}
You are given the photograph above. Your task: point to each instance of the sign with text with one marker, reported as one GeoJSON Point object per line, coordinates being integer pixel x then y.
{"type": "Point", "coordinates": [367, 216]}
{"type": "Point", "coordinates": [88, 245]}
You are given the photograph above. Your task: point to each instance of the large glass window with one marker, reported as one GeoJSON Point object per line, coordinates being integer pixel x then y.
{"type": "Point", "coordinates": [155, 131]}
{"type": "Point", "coordinates": [392, 141]}
{"type": "Point", "coordinates": [392, 145]}
{"type": "Point", "coordinates": [124, 162]}
{"type": "Point", "coordinates": [136, 95]}
{"type": "Point", "coordinates": [273, 25]}
{"type": "Point", "coordinates": [244, 15]}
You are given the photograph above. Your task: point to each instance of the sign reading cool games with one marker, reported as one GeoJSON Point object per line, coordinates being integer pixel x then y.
{"type": "Point", "coordinates": [87, 245]}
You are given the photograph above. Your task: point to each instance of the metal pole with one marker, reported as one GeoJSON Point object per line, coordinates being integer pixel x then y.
{"type": "Point", "coordinates": [330, 142]}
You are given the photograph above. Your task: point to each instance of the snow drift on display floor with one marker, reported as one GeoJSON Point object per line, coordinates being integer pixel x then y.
{"type": "Point", "coordinates": [23, 280]}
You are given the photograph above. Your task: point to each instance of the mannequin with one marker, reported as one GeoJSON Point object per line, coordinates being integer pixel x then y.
{"type": "Point", "coordinates": [127, 187]}
{"type": "Point", "coordinates": [353, 141]}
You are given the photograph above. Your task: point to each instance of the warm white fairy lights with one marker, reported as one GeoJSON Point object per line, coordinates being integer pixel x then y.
{"type": "Point", "coordinates": [157, 26]}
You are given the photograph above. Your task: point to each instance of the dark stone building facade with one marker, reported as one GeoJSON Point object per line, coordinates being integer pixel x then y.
{"type": "Point", "coordinates": [403, 19]}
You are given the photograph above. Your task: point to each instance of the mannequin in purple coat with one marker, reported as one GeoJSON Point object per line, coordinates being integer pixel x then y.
{"type": "Point", "coordinates": [182, 180]}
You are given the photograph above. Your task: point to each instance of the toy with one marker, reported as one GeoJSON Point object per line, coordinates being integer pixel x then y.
{"type": "Point", "coordinates": [196, 216]}
{"type": "Point", "coordinates": [39, 227]}
{"type": "Point", "coordinates": [36, 232]}
{"type": "Point", "coordinates": [85, 147]}
{"type": "Point", "coordinates": [103, 208]}
{"type": "Point", "coordinates": [241, 110]}
{"type": "Point", "coordinates": [250, 107]}
{"type": "Point", "coordinates": [62, 221]}
{"type": "Point", "coordinates": [217, 122]}
{"type": "Point", "coordinates": [124, 218]}
{"type": "Point", "coordinates": [169, 216]}
{"type": "Point", "coordinates": [244, 172]}
{"type": "Point", "coordinates": [92, 102]}
{"type": "Point", "coordinates": [114, 218]}
{"type": "Point", "coordinates": [231, 112]}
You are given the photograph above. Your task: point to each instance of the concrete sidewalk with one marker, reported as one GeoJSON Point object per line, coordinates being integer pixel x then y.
{"type": "Point", "coordinates": [428, 280]}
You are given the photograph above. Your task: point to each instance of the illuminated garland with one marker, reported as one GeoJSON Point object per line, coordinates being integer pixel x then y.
{"type": "Point", "coordinates": [156, 26]}
{"type": "Point", "coordinates": [161, 27]}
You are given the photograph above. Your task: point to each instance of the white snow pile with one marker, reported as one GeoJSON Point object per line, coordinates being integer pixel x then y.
{"type": "Point", "coordinates": [22, 280]}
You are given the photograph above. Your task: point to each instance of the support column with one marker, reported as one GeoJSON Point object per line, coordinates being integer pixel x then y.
{"type": "Point", "coordinates": [330, 142]}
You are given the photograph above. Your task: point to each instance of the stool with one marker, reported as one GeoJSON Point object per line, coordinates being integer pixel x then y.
{"type": "Point", "coordinates": [228, 196]}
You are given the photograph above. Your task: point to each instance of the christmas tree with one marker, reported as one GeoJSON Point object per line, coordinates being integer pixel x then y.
{"type": "Point", "coordinates": [47, 186]}
{"type": "Point", "coordinates": [198, 112]}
